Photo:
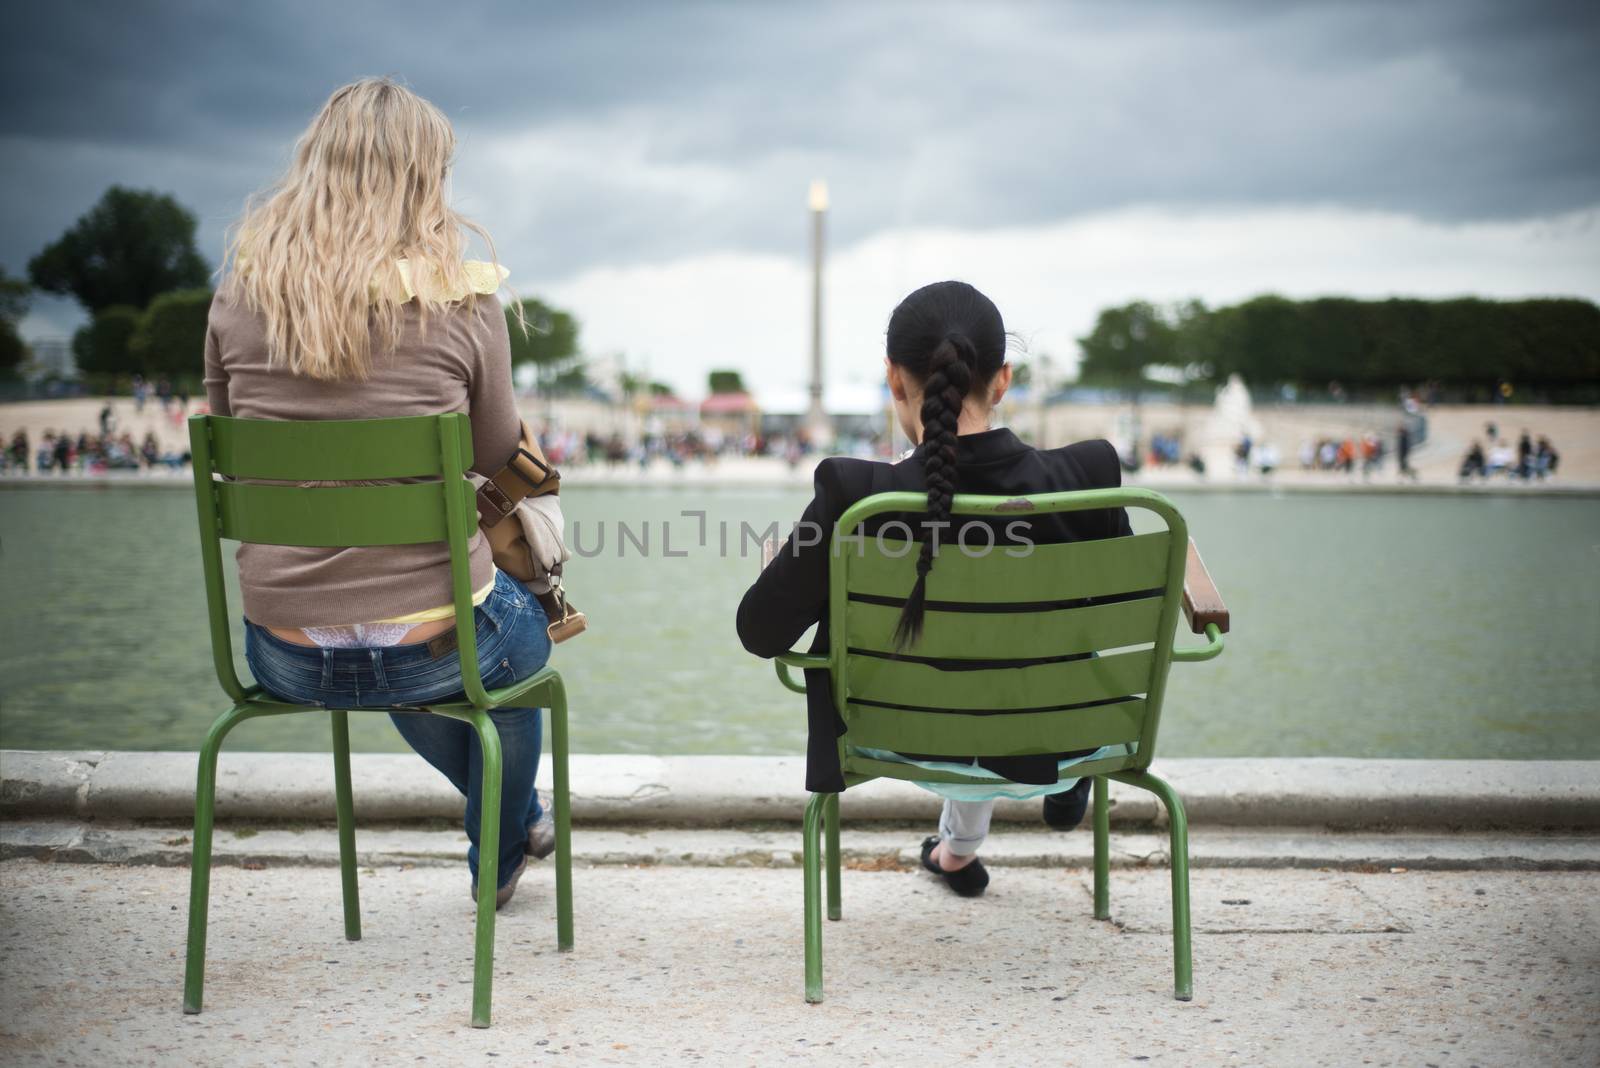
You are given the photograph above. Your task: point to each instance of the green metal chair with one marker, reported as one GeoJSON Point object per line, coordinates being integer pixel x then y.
{"type": "Point", "coordinates": [1056, 601]}
{"type": "Point", "coordinates": [437, 448]}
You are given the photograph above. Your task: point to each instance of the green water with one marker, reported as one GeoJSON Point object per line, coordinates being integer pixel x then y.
{"type": "Point", "coordinates": [1363, 626]}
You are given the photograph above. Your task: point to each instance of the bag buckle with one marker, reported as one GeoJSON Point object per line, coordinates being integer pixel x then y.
{"type": "Point", "coordinates": [566, 622]}
{"type": "Point", "coordinates": [535, 461]}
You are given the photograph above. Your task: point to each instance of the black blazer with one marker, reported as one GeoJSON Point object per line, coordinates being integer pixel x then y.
{"type": "Point", "coordinates": [792, 592]}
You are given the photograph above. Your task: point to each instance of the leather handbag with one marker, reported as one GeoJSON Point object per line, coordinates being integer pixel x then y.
{"type": "Point", "coordinates": [519, 511]}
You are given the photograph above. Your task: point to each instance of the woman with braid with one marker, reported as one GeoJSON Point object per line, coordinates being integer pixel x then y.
{"type": "Point", "coordinates": [946, 370]}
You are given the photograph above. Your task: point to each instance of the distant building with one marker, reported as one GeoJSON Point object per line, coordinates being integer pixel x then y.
{"type": "Point", "coordinates": [734, 414]}
{"type": "Point", "coordinates": [667, 413]}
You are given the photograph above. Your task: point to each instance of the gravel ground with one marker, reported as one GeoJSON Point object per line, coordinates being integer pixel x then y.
{"type": "Point", "coordinates": [687, 964]}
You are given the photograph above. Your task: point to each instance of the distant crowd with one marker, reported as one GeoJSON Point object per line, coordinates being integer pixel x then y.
{"type": "Point", "coordinates": [1528, 459]}
{"type": "Point", "coordinates": [1366, 452]}
{"type": "Point", "coordinates": [704, 445]}
{"type": "Point", "coordinates": [88, 453]}
{"type": "Point", "coordinates": [174, 401]}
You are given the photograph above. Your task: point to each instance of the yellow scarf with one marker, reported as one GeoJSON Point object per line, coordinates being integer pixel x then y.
{"type": "Point", "coordinates": [482, 278]}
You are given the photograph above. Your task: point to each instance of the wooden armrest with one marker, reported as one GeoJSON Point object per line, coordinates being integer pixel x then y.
{"type": "Point", "coordinates": [1202, 604]}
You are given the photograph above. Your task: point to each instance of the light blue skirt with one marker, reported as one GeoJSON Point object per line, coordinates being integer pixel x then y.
{"type": "Point", "coordinates": [1001, 787]}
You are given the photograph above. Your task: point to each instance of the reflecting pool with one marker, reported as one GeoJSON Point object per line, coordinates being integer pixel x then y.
{"type": "Point", "coordinates": [1363, 626]}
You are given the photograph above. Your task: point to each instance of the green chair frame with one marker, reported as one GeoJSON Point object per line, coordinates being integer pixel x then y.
{"type": "Point", "coordinates": [434, 503]}
{"type": "Point", "coordinates": [1053, 707]}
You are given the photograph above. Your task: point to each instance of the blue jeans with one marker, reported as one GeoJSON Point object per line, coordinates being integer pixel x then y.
{"type": "Point", "coordinates": [512, 644]}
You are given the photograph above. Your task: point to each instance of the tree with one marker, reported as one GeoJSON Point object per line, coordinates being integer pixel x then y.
{"type": "Point", "coordinates": [15, 294]}
{"type": "Point", "coordinates": [1549, 343]}
{"type": "Point", "coordinates": [726, 382]}
{"type": "Point", "coordinates": [550, 342]}
{"type": "Point", "coordinates": [631, 384]}
{"type": "Point", "coordinates": [574, 379]}
{"type": "Point", "coordinates": [1124, 342]}
{"type": "Point", "coordinates": [170, 337]}
{"type": "Point", "coordinates": [1194, 340]}
{"type": "Point", "coordinates": [128, 248]}
{"type": "Point", "coordinates": [1262, 340]}
{"type": "Point", "coordinates": [101, 346]}
{"type": "Point", "coordinates": [14, 302]}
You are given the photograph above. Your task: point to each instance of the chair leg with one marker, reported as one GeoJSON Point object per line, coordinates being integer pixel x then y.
{"type": "Point", "coordinates": [1183, 977]}
{"type": "Point", "coordinates": [205, 796]}
{"type": "Point", "coordinates": [1102, 849]}
{"type": "Point", "coordinates": [830, 821]}
{"type": "Point", "coordinates": [488, 868]}
{"type": "Point", "coordinates": [345, 804]}
{"type": "Point", "coordinates": [813, 897]}
{"type": "Point", "coordinates": [563, 804]}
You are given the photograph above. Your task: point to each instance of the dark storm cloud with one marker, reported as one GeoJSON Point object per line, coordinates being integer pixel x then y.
{"type": "Point", "coordinates": [606, 135]}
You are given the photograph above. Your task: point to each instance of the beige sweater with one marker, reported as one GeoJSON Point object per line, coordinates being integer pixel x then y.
{"type": "Point", "coordinates": [460, 362]}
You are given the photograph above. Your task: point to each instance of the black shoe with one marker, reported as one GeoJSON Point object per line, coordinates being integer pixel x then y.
{"type": "Point", "coordinates": [968, 882]}
{"type": "Point", "coordinates": [1065, 810]}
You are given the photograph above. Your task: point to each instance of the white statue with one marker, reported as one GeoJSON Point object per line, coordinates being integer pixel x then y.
{"type": "Point", "coordinates": [1230, 423]}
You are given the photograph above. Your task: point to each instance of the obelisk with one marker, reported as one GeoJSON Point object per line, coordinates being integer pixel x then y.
{"type": "Point", "coordinates": [818, 427]}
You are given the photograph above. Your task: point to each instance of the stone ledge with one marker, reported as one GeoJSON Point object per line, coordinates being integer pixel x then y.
{"type": "Point", "coordinates": [868, 848]}
{"type": "Point", "coordinates": [717, 791]}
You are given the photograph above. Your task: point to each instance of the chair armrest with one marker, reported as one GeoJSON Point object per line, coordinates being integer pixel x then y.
{"type": "Point", "coordinates": [1202, 604]}
{"type": "Point", "coordinates": [784, 661]}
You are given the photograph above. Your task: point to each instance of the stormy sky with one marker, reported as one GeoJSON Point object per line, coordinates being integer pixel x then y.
{"type": "Point", "coordinates": [647, 164]}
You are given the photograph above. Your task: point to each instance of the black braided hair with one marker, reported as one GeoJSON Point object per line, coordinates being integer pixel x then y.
{"type": "Point", "coordinates": [951, 337]}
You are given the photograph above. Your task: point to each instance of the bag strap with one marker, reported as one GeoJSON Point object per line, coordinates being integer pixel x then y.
{"type": "Point", "coordinates": [526, 474]}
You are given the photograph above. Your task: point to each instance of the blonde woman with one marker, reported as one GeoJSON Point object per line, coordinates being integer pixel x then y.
{"type": "Point", "coordinates": [346, 296]}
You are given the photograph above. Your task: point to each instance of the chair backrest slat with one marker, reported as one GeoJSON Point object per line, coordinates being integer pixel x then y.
{"type": "Point", "coordinates": [330, 450]}
{"type": "Point", "coordinates": [331, 516]}
{"type": "Point", "coordinates": [1000, 635]}
{"type": "Point", "coordinates": [1050, 685]}
{"type": "Point", "coordinates": [886, 567]}
{"type": "Point", "coordinates": [1014, 734]}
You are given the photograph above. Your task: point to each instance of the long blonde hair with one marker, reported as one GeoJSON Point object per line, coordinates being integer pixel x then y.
{"type": "Point", "coordinates": [316, 254]}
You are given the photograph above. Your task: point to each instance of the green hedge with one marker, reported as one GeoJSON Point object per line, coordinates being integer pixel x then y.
{"type": "Point", "coordinates": [1470, 342]}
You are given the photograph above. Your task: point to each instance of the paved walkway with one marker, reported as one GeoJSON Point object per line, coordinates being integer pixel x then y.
{"type": "Point", "coordinates": [682, 964]}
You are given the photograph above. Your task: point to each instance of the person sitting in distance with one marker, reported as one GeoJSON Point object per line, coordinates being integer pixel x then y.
{"type": "Point", "coordinates": [1546, 459]}
{"type": "Point", "coordinates": [946, 369]}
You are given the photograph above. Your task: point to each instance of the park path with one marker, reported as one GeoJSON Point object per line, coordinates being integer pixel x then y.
{"type": "Point", "coordinates": [682, 965]}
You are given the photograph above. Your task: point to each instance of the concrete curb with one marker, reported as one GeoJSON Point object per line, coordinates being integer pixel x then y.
{"type": "Point", "coordinates": [870, 848]}
{"type": "Point", "coordinates": [719, 791]}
